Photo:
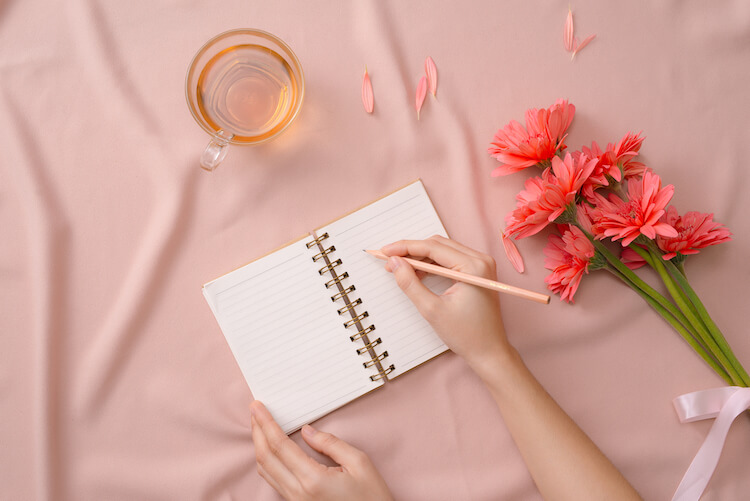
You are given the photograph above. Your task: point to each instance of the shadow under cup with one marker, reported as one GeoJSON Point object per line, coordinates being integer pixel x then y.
{"type": "Point", "coordinates": [243, 87]}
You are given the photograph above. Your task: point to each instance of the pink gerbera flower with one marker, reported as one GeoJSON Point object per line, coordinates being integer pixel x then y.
{"type": "Point", "coordinates": [546, 198]}
{"type": "Point", "coordinates": [694, 231]}
{"type": "Point", "coordinates": [639, 215]}
{"type": "Point", "coordinates": [614, 162]}
{"type": "Point", "coordinates": [625, 151]}
{"type": "Point", "coordinates": [528, 218]}
{"type": "Point", "coordinates": [517, 147]}
{"type": "Point", "coordinates": [568, 258]}
{"type": "Point", "coordinates": [605, 168]}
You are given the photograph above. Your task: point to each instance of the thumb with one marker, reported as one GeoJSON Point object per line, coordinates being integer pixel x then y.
{"type": "Point", "coordinates": [408, 281]}
{"type": "Point", "coordinates": [332, 446]}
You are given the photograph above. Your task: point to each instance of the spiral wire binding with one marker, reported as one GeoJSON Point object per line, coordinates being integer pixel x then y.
{"type": "Point", "coordinates": [375, 360]}
{"type": "Point", "coordinates": [356, 319]}
{"type": "Point", "coordinates": [340, 295]}
{"type": "Point", "coordinates": [320, 255]}
{"type": "Point", "coordinates": [352, 304]}
{"type": "Point", "coordinates": [369, 346]}
{"type": "Point", "coordinates": [349, 307]}
{"type": "Point", "coordinates": [329, 267]}
{"type": "Point", "coordinates": [317, 240]}
{"type": "Point", "coordinates": [362, 332]}
{"type": "Point", "coordinates": [383, 373]}
{"type": "Point", "coordinates": [337, 280]}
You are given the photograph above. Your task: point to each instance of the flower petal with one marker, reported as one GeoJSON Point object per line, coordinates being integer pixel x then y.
{"type": "Point", "coordinates": [568, 32]}
{"type": "Point", "coordinates": [421, 93]}
{"type": "Point", "coordinates": [511, 251]}
{"type": "Point", "coordinates": [431, 70]}
{"type": "Point", "coordinates": [368, 100]}
{"type": "Point", "coordinates": [582, 45]}
{"type": "Point", "coordinates": [631, 258]}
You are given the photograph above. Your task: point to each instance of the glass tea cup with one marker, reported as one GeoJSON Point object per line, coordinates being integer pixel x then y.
{"type": "Point", "coordinates": [243, 87]}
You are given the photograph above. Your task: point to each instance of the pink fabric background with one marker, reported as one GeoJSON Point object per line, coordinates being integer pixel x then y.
{"type": "Point", "coordinates": [115, 381]}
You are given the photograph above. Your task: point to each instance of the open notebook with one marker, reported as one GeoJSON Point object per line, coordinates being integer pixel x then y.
{"type": "Point", "coordinates": [319, 322]}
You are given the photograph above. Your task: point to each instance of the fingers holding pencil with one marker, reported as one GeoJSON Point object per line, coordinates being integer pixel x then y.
{"type": "Point", "coordinates": [426, 301]}
{"type": "Point", "coordinates": [447, 255]}
{"type": "Point", "coordinates": [460, 247]}
{"type": "Point", "coordinates": [456, 262]}
{"type": "Point", "coordinates": [466, 318]}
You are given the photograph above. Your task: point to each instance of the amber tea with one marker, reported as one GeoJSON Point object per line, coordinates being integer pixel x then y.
{"type": "Point", "coordinates": [243, 87]}
{"type": "Point", "coordinates": [247, 91]}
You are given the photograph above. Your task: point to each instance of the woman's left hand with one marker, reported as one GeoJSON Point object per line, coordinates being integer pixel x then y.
{"type": "Point", "coordinates": [297, 476]}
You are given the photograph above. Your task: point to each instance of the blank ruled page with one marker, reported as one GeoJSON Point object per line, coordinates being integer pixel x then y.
{"type": "Point", "coordinates": [405, 214]}
{"type": "Point", "coordinates": [287, 337]}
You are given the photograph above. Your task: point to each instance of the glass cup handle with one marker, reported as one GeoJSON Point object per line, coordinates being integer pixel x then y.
{"type": "Point", "coordinates": [216, 150]}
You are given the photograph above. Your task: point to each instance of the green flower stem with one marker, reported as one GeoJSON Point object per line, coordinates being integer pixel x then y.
{"type": "Point", "coordinates": [725, 364]}
{"type": "Point", "coordinates": [653, 261]}
{"type": "Point", "coordinates": [681, 267]}
{"type": "Point", "coordinates": [650, 261]}
{"type": "Point", "coordinates": [637, 281]}
{"type": "Point", "coordinates": [645, 255]}
{"type": "Point", "coordinates": [686, 335]}
{"type": "Point", "coordinates": [677, 272]}
{"type": "Point", "coordinates": [684, 304]}
{"type": "Point", "coordinates": [708, 321]}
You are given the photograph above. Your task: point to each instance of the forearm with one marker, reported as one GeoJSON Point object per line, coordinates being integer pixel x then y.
{"type": "Point", "coordinates": [563, 461]}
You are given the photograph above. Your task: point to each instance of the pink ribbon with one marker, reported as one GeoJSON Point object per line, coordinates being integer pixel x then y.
{"type": "Point", "coordinates": [725, 404]}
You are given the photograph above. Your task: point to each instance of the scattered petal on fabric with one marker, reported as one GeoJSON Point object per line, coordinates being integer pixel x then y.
{"type": "Point", "coordinates": [431, 71]}
{"type": "Point", "coordinates": [568, 32]}
{"type": "Point", "coordinates": [582, 45]}
{"type": "Point", "coordinates": [421, 93]}
{"type": "Point", "coordinates": [368, 99]}
{"type": "Point", "coordinates": [511, 251]}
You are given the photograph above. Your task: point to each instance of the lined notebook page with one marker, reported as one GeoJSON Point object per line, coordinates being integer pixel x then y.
{"type": "Point", "coordinates": [406, 214]}
{"type": "Point", "coordinates": [287, 337]}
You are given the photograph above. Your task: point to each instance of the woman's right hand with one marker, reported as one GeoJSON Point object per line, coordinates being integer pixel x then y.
{"type": "Point", "coordinates": [467, 318]}
{"type": "Point", "coordinates": [563, 461]}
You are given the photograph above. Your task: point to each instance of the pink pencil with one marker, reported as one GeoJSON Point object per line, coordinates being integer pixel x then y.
{"type": "Point", "coordinates": [469, 279]}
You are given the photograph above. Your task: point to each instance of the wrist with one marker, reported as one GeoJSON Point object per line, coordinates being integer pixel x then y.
{"type": "Point", "coordinates": [495, 366]}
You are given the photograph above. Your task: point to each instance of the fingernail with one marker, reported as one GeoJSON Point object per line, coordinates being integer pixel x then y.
{"type": "Point", "coordinates": [309, 431]}
{"type": "Point", "coordinates": [394, 263]}
{"type": "Point", "coordinates": [252, 411]}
